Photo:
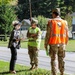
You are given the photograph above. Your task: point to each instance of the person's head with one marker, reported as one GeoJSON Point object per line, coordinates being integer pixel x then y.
{"type": "Point", "coordinates": [16, 24]}
{"type": "Point", "coordinates": [56, 12]}
{"type": "Point", "coordinates": [34, 23]}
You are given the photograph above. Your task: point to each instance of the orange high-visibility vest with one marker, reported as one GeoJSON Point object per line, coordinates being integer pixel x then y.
{"type": "Point", "coordinates": [58, 32]}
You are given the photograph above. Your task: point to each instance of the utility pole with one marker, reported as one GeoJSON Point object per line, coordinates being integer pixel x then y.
{"type": "Point", "coordinates": [30, 10]}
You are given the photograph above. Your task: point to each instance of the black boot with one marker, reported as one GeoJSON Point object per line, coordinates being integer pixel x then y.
{"type": "Point", "coordinates": [32, 67]}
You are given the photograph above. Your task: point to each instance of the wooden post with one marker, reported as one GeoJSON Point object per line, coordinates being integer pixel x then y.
{"type": "Point", "coordinates": [30, 10]}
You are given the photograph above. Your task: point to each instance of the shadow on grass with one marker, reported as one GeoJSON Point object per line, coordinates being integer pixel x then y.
{"type": "Point", "coordinates": [2, 73]}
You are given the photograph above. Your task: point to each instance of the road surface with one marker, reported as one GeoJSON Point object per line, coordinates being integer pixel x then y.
{"type": "Point", "coordinates": [44, 61]}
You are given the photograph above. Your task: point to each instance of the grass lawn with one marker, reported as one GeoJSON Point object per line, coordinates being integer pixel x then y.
{"type": "Point", "coordinates": [70, 47]}
{"type": "Point", "coordinates": [21, 70]}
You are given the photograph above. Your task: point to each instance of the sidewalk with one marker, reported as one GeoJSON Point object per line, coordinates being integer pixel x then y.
{"type": "Point", "coordinates": [44, 61]}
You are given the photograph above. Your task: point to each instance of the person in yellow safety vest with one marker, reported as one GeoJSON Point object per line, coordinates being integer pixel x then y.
{"type": "Point", "coordinates": [57, 39]}
{"type": "Point", "coordinates": [34, 39]}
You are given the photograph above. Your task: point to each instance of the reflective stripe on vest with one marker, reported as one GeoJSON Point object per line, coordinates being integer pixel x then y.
{"type": "Point", "coordinates": [59, 35]}
{"type": "Point", "coordinates": [58, 32]}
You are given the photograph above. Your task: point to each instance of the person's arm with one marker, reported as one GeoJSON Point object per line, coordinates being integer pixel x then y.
{"type": "Point", "coordinates": [46, 40]}
{"type": "Point", "coordinates": [36, 36]}
{"type": "Point", "coordinates": [47, 34]}
{"type": "Point", "coordinates": [10, 39]}
{"type": "Point", "coordinates": [29, 35]}
{"type": "Point", "coordinates": [47, 37]}
{"type": "Point", "coordinates": [67, 33]}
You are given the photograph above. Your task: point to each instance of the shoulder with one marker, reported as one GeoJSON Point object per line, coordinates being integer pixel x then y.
{"type": "Point", "coordinates": [38, 29]}
{"type": "Point", "coordinates": [12, 33]}
{"type": "Point", "coordinates": [66, 22]}
{"type": "Point", "coordinates": [49, 22]}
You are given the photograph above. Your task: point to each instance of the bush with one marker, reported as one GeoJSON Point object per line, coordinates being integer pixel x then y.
{"type": "Point", "coordinates": [42, 22]}
{"type": "Point", "coordinates": [7, 15]}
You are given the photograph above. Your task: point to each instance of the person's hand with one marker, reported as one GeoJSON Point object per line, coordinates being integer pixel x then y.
{"type": "Point", "coordinates": [22, 39]}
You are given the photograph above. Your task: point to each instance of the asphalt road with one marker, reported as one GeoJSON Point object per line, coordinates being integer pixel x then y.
{"type": "Point", "coordinates": [44, 61]}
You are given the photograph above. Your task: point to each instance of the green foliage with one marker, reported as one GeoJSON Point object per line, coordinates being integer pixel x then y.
{"type": "Point", "coordinates": [69, 20]}
{"type": "Point", "coordinates": [39, 7]}
{"type": "Point", "coordinates": [70, 5]}
{"type": "Point", "coordinates": [42, 22]}
{"type": "Point", "coordinates": [44, 7]}
{"type": "Point", "coordinates": [7, 15]}
{"type": "Point", "coordinates": [22, 1]}
{"type": "Point", "coordinates": [22, 9]}
{"type": "Point", "coordinates": [5, 1]}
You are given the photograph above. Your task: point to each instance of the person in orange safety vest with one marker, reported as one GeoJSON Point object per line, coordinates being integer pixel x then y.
{"type": "Point", "coordinates": [57, 39]}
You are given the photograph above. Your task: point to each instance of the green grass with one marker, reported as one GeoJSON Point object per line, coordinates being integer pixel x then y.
{"type": "Point", "coordinates": [21, 70]}
{"type": "Point", "coordinates": [70, 47]}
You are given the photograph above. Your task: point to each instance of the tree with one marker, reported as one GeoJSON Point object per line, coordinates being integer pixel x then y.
{"type": "Point", "coordinates": [44, 7]}
{"type": "Point", "coordinates": [5, 1]}
{"type": "Point", "coordinates": [42, 22]}
{"type": "Point", "coordinates": [22, 9]}
{"type": "Point", "coordinates": [7, 15]}
{"type": "Point", "coordinates": [9, 2]}
{"type": "Point", "coordinates": [68, 17]}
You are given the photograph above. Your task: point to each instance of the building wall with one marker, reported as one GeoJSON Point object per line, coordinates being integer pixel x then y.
{"type": "Point", "coordinates": [25, 27]}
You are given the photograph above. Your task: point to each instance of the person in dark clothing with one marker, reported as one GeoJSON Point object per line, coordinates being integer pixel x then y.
{"type": "Point", "coordinates": [14, 44]}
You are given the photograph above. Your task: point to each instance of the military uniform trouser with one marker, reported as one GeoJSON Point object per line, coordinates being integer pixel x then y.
{"type": "Point", "coordinates": [13, 58]}
{"type": "Point", "coordinates": [54, 49]}
{"type": "Point", "coordinates": [33, 54]}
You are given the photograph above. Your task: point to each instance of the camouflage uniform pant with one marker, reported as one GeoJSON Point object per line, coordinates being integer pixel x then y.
{"type": "Point", "coordinates": [54, 49]}
{"type": "Point", "coordinates": [33, 54]}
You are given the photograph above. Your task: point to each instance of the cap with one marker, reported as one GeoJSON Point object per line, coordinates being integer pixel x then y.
{"type": "Point", "coordinates": [34, 21]}
{"type": "Point", "coordinates": [57, 10]}
{"type": "Point", "coordinates": [15, 23]}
